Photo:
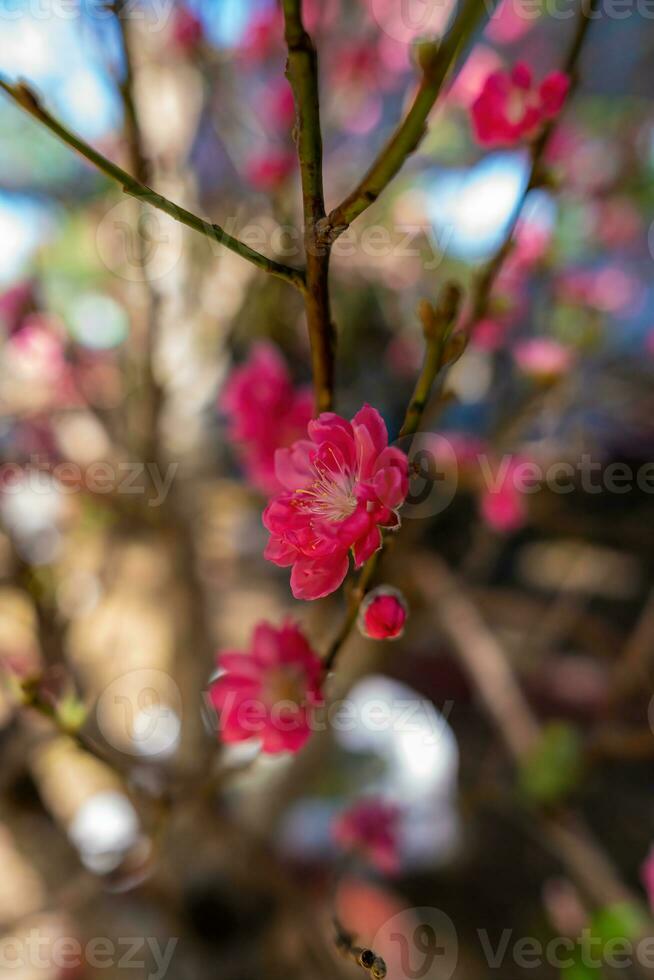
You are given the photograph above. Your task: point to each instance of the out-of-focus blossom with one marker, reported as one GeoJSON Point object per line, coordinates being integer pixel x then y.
{"type": "Point", "coordinates": [510, 108]}
{"type": "Point", "coordinates": [617, 222]}
{"type": "Point", "coordinates": [383, 614]}
{"type": "Point", "coordinates": [276, 106]}
{"type": "Point", "coordinates": [370, 828]}
{"type": "Point", "coordinates": [34, 371]}
{"type": "Point", "coordinates": [269, 692]}
{"type": "Point", "coordinates": [543, 358]}
{"type": "Point", "coordinates": [609, 289]}
{"type": "Point", "coordinates": [479, 64]}
{"type": "Point", "coordinates": [264, 35]}
{"type": "Point", "coordinates": [511, 21]}
{"type": "Point", "coordinates": [503, 506]}
{"type": "Point", "coordinates": [342, 485]}
{"type": "Point", "coordinates": [268, 171]}
{"type": "Point", "coordinates": [647, 876]}
{"type": "Point", "coordinates": [265, 413]}
{"type": "Point", "coordinates": [15, 303]}
{"type": "Point", "coordinates": [186, 29]}
{"type": "Point", "coordinates": [489, 334]}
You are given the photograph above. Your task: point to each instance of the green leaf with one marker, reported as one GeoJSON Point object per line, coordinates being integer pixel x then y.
{"type": "Point", "coordinates": [554, 766]}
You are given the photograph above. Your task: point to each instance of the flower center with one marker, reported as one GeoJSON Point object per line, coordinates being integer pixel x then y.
{"type": "Point", "coordinates": [331, 495]}
{"type": "Point", "coordinates": [284, 684]}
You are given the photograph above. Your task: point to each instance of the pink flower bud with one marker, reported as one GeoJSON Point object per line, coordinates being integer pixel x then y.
{"type": "Point", "coordinates": [383, 614]}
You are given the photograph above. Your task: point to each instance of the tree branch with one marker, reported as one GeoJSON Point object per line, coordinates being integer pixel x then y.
{"type": "Point", "coordinates": [302, 73]}
{"type": "Point", "coordinates": [28, 101]}
{"type": "Point", "coordinates": [436, 61]}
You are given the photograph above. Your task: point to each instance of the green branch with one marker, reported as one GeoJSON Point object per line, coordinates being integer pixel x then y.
{"type": "Point", "coordinates": [27, 100]}
{"type": "Point", "coordinates": [436, 60]}
{"type": "Point", "coordinates": [302, 73]}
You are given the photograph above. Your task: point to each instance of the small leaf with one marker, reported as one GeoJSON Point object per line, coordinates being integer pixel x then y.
{"type": "Point", "coordinates": [553, 767]}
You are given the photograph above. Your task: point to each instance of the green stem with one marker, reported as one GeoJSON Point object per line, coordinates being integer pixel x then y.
{"type": "Point", "coordinates": [302, 73]}
{"type": "Point", "coordinates": [25, 98]}
{"type": "Point", "coordinates": [436, 60]}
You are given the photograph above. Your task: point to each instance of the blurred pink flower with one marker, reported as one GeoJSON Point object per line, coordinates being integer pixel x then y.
{"type": "Point", "coordinates": [342, 484]}
{"type": "Point", "coordinates": [276, 106]}
{"type": "Point", "coordinates": [383, 614]}
{"type": "Point", "coordinates": [503, 505]}
{"type": "Point", "coordinates": [268, 171]}
{"type": "Point", "coordinates": [371, 828]}
{"type": "Point", "coordinates": [543, 358]}
{"type": "Point", "coordinates": [481, 61]}
{"type": "Point", "coordinates": [647, 876]}
{"type": "Point", "coordinates": [609, 289]}
{"type": "Point", "coordinates": [511, 21]}
{"type": "Point", "coordinates": [14, 304]}
{"type": "Point", "coordinates": [510, 108]}
{"type": "Point", "coordinates": [263, 35]}
{"type": "Point", "coordinates": [489, 334]}
{"type": "Point", "coordinates": [186, 30]}
{"type": "Point", "coordinates": [265, 412]}
{"type": "Point", "coordinates": [268, 692]}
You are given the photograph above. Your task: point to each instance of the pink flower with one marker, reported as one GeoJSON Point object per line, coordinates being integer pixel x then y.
{"type": "Point", "coordinates": [269, 692]}
{"type": "Point", "coordinates": [268, 171]}
{"type": "Point", "coordinates": [187, 30]}
{"type": "Point", "coordinates": [371, 827]}
{"type": "Point", "coordinates": [510, 108]}
{"type": "Point", "coordinates": [341, 485]}
{"type": "Point", "coordinates": [265, 413]}
{"type": "Point", "coordinates": [383, 614]}
{"type": "Point", "coordinates": [647, 876]}
{"type": "Point", "coordinates": [543, 358]}
{"type": "Point", "coordinates": [503, 505]}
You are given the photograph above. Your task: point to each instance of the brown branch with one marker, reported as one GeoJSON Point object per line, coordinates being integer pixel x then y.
{"type": "Point", "coordinates": [302, 73]}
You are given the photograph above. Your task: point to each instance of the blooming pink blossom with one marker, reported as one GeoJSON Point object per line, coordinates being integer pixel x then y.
{"type": "Point", "coordinates": [510, 108]}
{"type": "Point", "coordinates": [269, 692]}
{"type": "Point", "coordinates": [503, 505]}
{"type": "Point", "coordinates": [265, 413]}
{"type": "Point", "coordinates": [647, 876]}
{"type": "Point", "coordinates": [342, 485]}
{"type": "Point", "coordinates": [543, 358]}
{"type": "Point", "coordinates": [383, 614]}
{"type": "Point", "coordinates": [371, 828]}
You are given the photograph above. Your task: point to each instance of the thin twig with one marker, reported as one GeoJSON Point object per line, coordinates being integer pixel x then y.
{"type": "Point", "coordinates": [436, 61]}
{"type": "Point", "coordinates": [28, 101]}
{"type": "Point", "coordinates": [302, 73]}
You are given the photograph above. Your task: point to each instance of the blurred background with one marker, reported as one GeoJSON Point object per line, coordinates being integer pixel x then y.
{"type": "Point", "coordinates": [130, 509]}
